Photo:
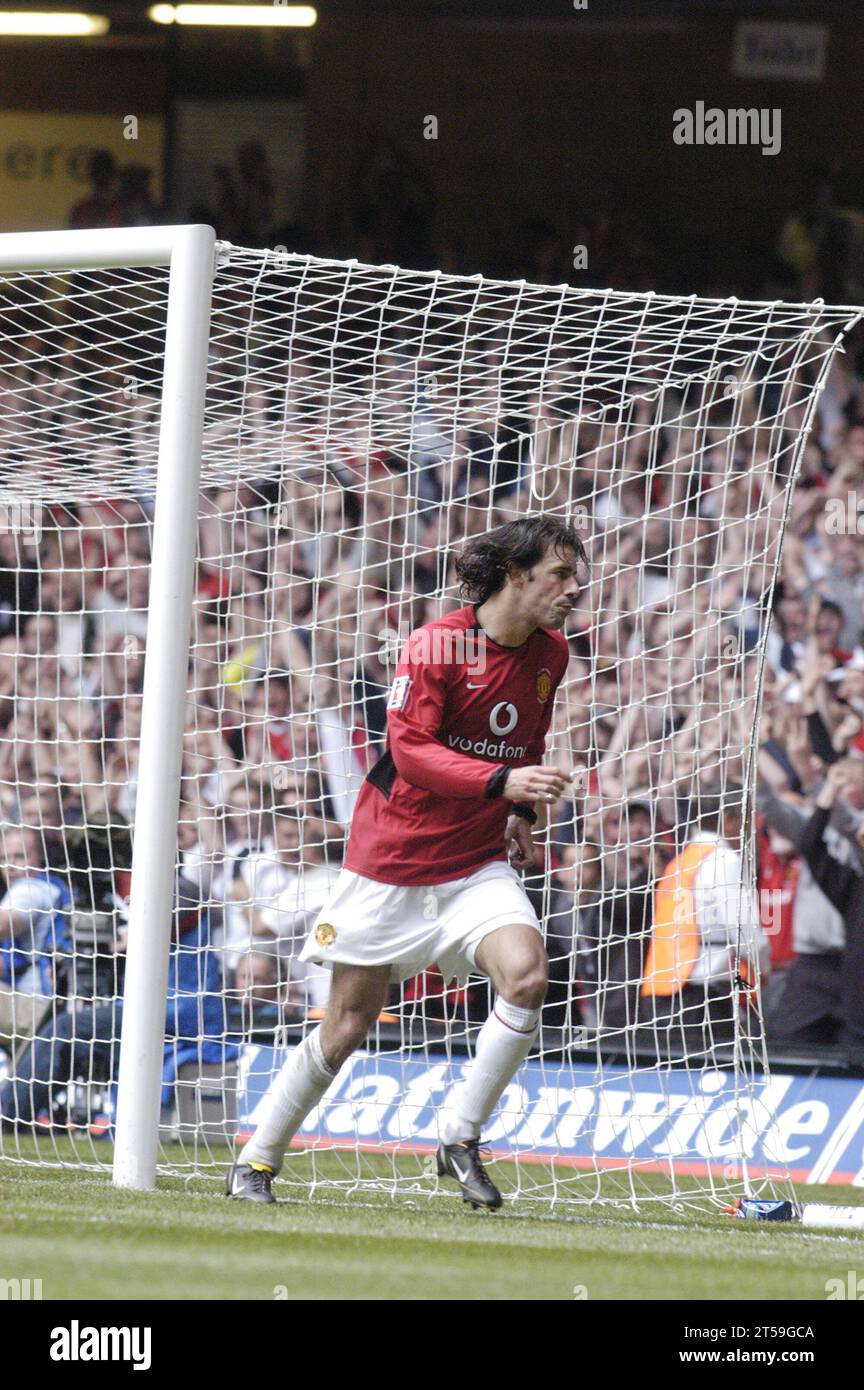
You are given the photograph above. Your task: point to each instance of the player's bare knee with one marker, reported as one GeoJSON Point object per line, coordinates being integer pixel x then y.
{"type": "Point", "coordinates": [347, 1031]}
{"type": "Point", "coordinates": [526, 986]}
{"type": "Point", "coordinates": [529, 991]}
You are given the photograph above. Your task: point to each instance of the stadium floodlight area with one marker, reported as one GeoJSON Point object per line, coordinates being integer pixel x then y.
{"type": "Point", "coordinates": [231, 482]}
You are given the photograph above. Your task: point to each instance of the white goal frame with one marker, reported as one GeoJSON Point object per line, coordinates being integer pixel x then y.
{"type": "Point", "coordinates": [190, 252]}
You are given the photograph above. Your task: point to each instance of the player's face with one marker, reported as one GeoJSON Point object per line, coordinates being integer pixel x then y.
{"type": "Point", "coordinates": [552, 588]}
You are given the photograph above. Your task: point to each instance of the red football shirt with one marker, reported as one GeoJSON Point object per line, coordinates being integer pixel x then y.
{"type": "Point", "coordinates": [461, 707]}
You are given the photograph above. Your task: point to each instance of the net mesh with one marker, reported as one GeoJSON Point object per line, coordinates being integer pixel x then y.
{"type": "Point", "coordinates": [361, 423]}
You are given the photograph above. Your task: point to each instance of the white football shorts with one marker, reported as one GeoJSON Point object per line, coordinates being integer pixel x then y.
{"type": "Point", "coordinates": [364, 922]}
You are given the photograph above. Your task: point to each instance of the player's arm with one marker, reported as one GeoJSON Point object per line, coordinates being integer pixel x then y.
{"type": "Point", "coordinates": [523, 823]}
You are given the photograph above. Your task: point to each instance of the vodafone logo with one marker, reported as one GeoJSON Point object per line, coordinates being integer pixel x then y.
{"type": "Point", "coordinates": [503, 718]}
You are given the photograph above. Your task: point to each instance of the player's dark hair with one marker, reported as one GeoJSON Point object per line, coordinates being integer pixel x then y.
{"type": "Point", "coordinates": [486, 561]}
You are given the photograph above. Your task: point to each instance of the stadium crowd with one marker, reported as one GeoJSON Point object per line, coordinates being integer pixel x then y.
{"type": "Point", "coordinates": [304, 591]}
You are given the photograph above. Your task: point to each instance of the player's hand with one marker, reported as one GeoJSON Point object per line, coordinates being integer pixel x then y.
{"type": "Point", "coordinates": [520, 846]}
{"type": "Point", "coordinates": [536, 783]}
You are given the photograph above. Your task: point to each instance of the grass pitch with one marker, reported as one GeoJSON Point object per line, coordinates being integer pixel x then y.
{"type": "Point", "coordinates": [87, 1240]}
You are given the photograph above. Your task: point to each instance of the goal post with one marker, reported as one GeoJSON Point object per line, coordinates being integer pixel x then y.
{"type": "Point", "coordinates": [256, 467]}
{"type": "Point", "coordinates": [189, 252]}
{"type": "Point", "coordinates": [187, 340]}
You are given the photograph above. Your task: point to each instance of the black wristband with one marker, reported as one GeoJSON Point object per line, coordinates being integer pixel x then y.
{"type": "Point", "coordinates": [495, 785]}
{"type": "Point", "coordinates": [526, 812]}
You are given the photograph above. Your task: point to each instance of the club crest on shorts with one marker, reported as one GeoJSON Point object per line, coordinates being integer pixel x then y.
{"type": "Point", "coordinates": [325, 935]}
{"type": "Point", "coordinates": [544, 685]}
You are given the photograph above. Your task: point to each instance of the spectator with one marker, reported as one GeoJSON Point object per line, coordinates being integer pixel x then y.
{"type": "Point", "coordinates": [844, 886]}
{"type": "Point", "coordinates": [287, 886]}
{"type": "Point", "coordinates": [84, 1041]}
{"type": "Point", "coordinates": [99, 208]}
{"type": "Point", "coordinates": [32, 915]}
{"type": "Point", "coordinates": [805, 1008]}
{"type": "Point", "coordinates": [615, 928]}
{"type": "Point", "coordinates": [136, 206]}
{"type": "Point", "coordinates": [263, 998]}
{"type": "Point", "coordinates": [706, 931]}
{"type": "Point", "coordinates": [788, 636]}
{"type": "Point", "coordinates": [255, 195]}
{"type": "Point", "coordinates": [779, 871]}
{"type": "Point", "coordinates": [575, 890]}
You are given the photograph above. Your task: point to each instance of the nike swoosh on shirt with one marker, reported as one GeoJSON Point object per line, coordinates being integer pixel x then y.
{"type": "Point", "coordinates": [472, 686]}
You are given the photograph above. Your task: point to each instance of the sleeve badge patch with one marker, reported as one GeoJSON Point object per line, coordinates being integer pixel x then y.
{"type": "Point", "coordinates": [399, 693]}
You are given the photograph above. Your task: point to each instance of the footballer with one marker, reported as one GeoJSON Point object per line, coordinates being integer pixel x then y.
{"type": "Point", "coordinates": [441, 825]}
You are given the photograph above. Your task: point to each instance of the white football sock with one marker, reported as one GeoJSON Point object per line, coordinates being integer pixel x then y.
{"type": "Point", "coordinates": [296, 1091]}
{"type": "Point", "coordinates": [503, 1044]}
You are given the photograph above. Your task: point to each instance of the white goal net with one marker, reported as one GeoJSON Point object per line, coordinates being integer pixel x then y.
{"type": "Point", "coordinates": [360, 424]}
